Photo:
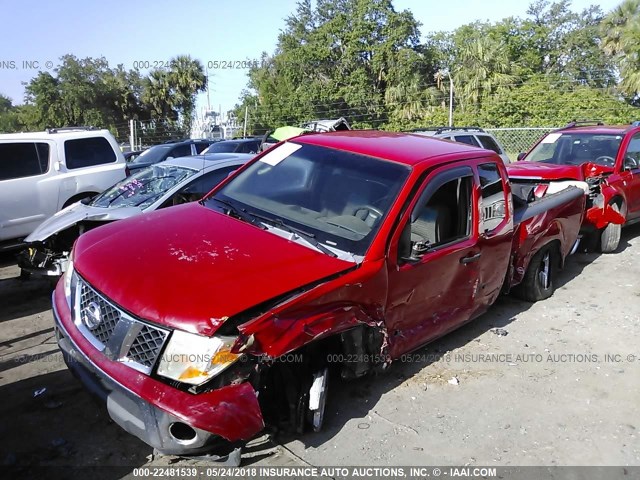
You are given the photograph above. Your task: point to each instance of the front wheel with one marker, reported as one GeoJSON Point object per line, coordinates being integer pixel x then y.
{"type": "Point", "coordinates": [539, 280]}
{"type": "Point", "coordinates": [610, 235]}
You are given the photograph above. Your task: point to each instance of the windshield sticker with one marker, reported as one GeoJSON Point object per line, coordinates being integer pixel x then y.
{"type": "Point", "coordinates": [551, 138]}
{"type": "Point", "coordinates": [275, 156]}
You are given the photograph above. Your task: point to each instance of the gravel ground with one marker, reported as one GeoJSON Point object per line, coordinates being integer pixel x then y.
{"type": "Point", "coordinates": [551, 383]}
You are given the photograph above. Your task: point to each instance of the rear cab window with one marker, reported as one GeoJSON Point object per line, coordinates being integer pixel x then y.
{"type": "Point", "coordinates": [88, 152]}
{"type": "Point", "coordinates": [23, 159]}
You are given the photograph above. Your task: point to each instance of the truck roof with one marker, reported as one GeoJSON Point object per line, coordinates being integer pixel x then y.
{"type": "Point", "coordinates": [405, 148]}
{"type": "Point", "coordinates": [597, 129]}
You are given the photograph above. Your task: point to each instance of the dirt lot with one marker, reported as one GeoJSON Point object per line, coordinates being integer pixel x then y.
{"type": "Point", "coordinates": [556, 400]}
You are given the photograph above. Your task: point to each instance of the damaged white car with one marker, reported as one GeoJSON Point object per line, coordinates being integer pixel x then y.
{"type": "Point", "coordinates": [173, 182]}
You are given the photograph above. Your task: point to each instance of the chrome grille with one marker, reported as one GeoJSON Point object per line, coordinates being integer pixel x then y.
{"type": "Point", "coordinates": [114, 332]}
{"type": "Point", "coordinates": [110, 315]}
{"type": "Point", "coordinates": [145, 348]}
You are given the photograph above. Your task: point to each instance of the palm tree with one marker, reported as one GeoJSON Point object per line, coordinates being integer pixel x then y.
{"type": "Point", "coordinates": [158, 94]}
{"type": "Point", "coordinates": [187, 77]}
{"type": "Point", "coordinates": [483, 67]}
{"type": "Point", "coordinates": [621, 39]}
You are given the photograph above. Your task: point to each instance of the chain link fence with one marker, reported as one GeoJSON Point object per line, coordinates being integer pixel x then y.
{"type": "Point", "coordinates": [517, 140]}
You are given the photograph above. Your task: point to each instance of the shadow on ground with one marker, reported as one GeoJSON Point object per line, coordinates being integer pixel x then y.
{"type": "Point", "coordinates": [50, 421]}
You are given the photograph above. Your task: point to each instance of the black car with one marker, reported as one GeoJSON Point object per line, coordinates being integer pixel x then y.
{"type": "Point", "coordinates": [166, 151]}
{"type": "Point", "coordinates": [241, 145]}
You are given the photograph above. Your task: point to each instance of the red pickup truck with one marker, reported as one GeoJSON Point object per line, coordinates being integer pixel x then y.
{"type": "Point", "coordinates": [330, 254]}
{"type": "Point", "coordinates": [607, 158]}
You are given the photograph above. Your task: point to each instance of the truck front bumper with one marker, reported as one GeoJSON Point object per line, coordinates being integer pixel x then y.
{"type": "Point", "coordinates": [170, 420]}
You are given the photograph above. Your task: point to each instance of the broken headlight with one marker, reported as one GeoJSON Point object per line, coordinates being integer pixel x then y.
{"type": "Point", "coordinates": [194, 359]}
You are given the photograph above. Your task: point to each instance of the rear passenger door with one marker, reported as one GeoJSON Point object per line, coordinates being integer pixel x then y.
{"type": "Point", "coordinates": [28, 195]}
{"type": "Point", "coordinates": [433, 260]}
{"type": "Point", "coordinates": [495, 230]}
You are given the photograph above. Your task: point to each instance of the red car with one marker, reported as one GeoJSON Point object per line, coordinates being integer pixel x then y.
{"type": "Point", "coordinates": [330, 253]}
{"type": "Point", "coordinates": [607, 158]}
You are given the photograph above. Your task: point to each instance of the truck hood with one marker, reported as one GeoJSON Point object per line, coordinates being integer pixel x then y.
{"type": "Point", "coordinates": [544, 171]}
{"type": "Point", "coordinates": [191, 268]}
{"type": "Point", "coordinates": [75, 213]}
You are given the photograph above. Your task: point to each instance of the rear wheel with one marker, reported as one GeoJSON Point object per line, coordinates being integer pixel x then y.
{"type": "Point", "coordinates": [539, 280]}
{"type": "Point", "coordinates": [610, 235]}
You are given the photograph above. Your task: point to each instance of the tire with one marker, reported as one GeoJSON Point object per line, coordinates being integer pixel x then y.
{"type": "Point", "coordinates": [539, 280]}
{"type": "Point", "coordinates": [610, 235]}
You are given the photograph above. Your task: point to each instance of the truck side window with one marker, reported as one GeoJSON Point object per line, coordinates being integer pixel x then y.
{"type": "Point", "coordinates": [445, 217]}
{"type": "Point", "coordinates": [468, 139]}
{"type": "Point", "coordinates": [493, 196]}
{"type": "Point", "coordinates": [489, 143]}
{"type": "Point", "coordinates": [632, 157]}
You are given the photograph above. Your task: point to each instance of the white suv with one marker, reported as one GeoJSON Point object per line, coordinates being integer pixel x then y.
{"type": "Point", "coordinates": [43, 172]}
{"type": "Point", "coordinates": [474, 136]}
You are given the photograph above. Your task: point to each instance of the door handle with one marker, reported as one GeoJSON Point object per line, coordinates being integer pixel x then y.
{"type": "Point", "coordinates": [470, 258]}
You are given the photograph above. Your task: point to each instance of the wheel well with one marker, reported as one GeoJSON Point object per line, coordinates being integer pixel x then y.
{"type": "Point", "coordinates": [77, 197]}
{"type": "Point", "coordinates": [556, 247]}
{"type": "Point", "coordinates": [619, 201]}
{"type": "Point", "coordinates": [348, 354]}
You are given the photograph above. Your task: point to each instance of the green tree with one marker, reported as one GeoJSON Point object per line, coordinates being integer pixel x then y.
{"type": "Point", "coordinates": [482, 69]}
{"type": "Point", "coordinates": [337, 59]}
{"type": "Point", "coordinates": [621, 40]}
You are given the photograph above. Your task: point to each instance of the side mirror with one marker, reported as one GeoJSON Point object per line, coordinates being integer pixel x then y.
{"type": "Point", "coordinates": [521, 155]}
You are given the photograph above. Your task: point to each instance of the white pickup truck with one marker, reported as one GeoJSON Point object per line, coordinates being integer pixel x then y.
{"type": "Point", "coordinates": [43, 172]}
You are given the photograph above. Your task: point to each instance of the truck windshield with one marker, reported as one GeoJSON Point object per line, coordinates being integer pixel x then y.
{"type": "Point", "coordinates": [336, 198]}
{"type": "Point", "coordinates": [144, 187]}
{"type": "Point", "coordinates": [576, 149]}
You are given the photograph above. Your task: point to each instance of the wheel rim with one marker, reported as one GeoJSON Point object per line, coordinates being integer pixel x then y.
{"type": "Point", "coordinates": [544, 275]}
{"type": "Point", "coordinates": [319, 388]}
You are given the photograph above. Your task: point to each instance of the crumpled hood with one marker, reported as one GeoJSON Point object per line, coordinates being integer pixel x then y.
{"type": "Point", "coordinates": [75, 213]}
{"type": "Point", "coordinates": [190, 267]}
{"type": "Point", "coordinates": [544, 171]}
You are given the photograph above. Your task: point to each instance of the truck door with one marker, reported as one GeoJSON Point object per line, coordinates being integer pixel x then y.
{"type": "Point", "coordinates": [433, 260]}
{"type": "Point", "coordinates": [496, 231]}
{"type": "Point", "coordinates": [630, 176]}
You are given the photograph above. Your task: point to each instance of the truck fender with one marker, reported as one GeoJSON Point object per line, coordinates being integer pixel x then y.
{"type": "Point", "coordinates": [601, 214]}
{"type": "Point", "coordinates": [279, 335]}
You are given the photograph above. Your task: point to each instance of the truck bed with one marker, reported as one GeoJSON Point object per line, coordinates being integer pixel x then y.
{"type": "Point", "coordinates": [553, 220]}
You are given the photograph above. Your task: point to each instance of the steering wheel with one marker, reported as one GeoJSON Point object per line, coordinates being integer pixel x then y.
{"type": "Point", "coordinates": [377, 213]}
{"type": "Point", "coordinates": [180, 198]}
{"type": "Point", "coordinates": [605, 160]}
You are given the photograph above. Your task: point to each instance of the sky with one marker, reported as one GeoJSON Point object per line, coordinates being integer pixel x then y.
{"type": "Point", "coordinates": [147, 32]}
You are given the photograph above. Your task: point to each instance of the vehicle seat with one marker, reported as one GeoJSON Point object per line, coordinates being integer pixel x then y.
{"type": "Point", "coordinates": [432, 226]}
{"type": "Point", "coordinates": [346, 195]}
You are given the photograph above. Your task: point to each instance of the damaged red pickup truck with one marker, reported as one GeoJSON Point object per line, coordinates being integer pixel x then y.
{"type": "Point", "coordinates": [607, 158]}
{"type": "Point", "coordinates": [330, 254]}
